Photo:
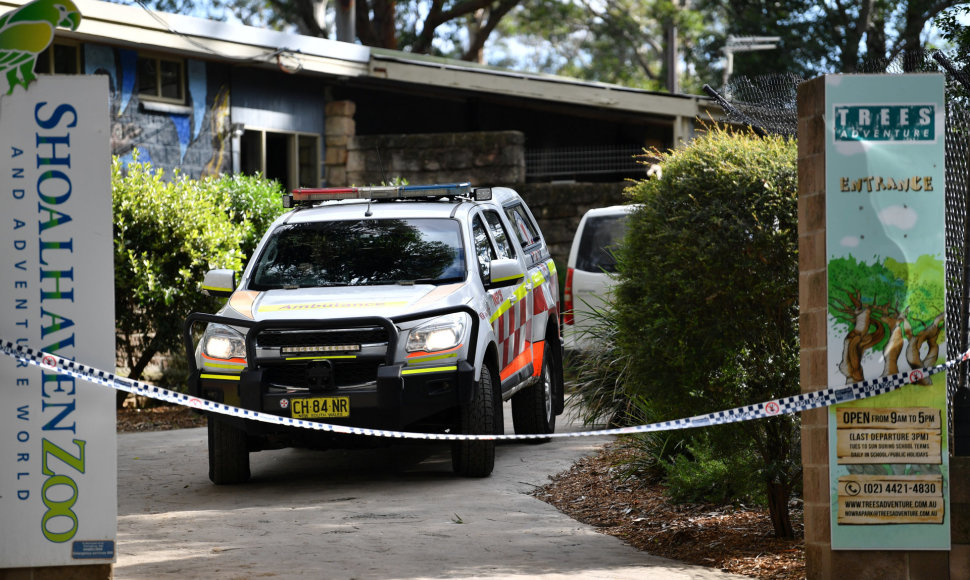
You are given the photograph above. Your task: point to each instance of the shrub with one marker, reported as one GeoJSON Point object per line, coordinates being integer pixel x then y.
{"type": "Point", "coordinates": [598, 375]}
{"type": "Point", "coordinates": [167, 234]}
{"type": "Point", "coordinates": [703, 474]}
{"type": "Point", "coordinates": [707, 295]}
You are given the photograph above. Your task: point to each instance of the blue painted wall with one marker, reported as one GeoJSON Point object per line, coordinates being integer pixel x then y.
{"type": "Point", "coordinates": [193, 138]}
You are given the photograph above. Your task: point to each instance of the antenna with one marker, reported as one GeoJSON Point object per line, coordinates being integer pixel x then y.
{"type": "Point", "coordinates": [381, 162]}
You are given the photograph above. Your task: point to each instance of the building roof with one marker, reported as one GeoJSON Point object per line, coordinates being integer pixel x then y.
{"type": "Point", "coordinates": [141, 29]}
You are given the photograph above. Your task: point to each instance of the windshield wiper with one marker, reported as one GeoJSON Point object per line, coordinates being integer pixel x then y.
{"type": "Point", "coordinates": [435, 281]}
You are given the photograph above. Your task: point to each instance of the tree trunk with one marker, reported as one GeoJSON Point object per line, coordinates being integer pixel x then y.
{"type": "Point", "coordinates": [146, 357]}
{"type": "Point", "coordinates": [778, 496]}
{"type": "Point", "coordinates": [147, 354]}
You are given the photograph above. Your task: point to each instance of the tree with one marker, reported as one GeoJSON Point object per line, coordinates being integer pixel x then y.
{"type": "Point", "coordinates": [707, 297]}
{"type": "Point", "coordinates": [823, 37]}
{"type": "Point", "coordinates": [954, 29]}
{"type": "Point", "coordinates": [452, 28]}
{"type": "Point", "coordinates": [618, 41]}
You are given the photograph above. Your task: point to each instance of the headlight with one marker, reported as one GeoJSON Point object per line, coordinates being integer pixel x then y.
{"type": "Point", "coordinates": [441, 333]}
{"type": "Point", "coordinates": [220, 341]}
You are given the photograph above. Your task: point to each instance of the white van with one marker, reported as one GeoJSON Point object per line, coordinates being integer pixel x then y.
{"type": "Point", "coordinates": [589, 275]}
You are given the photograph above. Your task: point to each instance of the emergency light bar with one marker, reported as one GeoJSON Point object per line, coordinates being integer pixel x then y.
{"type": "Point", "coordinates": [310, 196]}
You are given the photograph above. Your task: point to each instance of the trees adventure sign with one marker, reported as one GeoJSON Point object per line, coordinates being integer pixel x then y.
{"type": "Point", "coordinates": [888, 457]}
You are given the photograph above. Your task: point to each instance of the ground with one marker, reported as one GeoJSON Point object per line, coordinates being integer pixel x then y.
{"type": "Point", "coordinates": [731, 538]}
{"type": "Point", "coordinates": [734, 539]}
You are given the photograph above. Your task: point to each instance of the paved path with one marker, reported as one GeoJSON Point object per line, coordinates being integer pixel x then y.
{"type": "Point", "coordinates": [391, 513]}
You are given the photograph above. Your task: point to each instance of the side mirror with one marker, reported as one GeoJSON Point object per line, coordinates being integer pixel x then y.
{"type": "Point", "coordinates": [221, 283]}
{"type": "Point", "coordinates": [505, 272]}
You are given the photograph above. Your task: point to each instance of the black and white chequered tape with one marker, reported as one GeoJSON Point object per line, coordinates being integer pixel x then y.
{"type": "Point", "coordinates": [786, 405]}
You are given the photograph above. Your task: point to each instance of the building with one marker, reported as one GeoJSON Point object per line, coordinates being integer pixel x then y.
{"type": "Point", "coordinates": [208, 97]}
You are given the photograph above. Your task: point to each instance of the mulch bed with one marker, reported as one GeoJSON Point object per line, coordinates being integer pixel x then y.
{"type": "Point", "coordinates": [735, 539]}
{"type": "Point", "coordinates": [157, 418]}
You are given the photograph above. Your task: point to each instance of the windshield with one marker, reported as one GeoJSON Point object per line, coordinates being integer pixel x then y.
{"type": "Point", "coordinates": [361, 253]}
{"type": "Point", "coordinates": [601, 235]}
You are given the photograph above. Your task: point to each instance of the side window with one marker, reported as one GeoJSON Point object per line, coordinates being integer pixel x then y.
{"type": "Point", "coordinates": [483, 248]}
{"type": "Point", "coordinates": [498, 234]}
{"type": "Point", "coordinates": [59, 58]}
{"type": "Point", "coordinates": [161, 79]}
{"type": "Point", "coordinates": [524, 228]}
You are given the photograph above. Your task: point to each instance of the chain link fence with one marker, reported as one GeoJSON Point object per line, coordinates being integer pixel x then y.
{"type": "Point", "coordinates": [768, 104]}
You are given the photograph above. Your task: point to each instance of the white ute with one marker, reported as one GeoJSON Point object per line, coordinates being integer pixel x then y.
{"type": "Point", "coordinates": [418, 308]}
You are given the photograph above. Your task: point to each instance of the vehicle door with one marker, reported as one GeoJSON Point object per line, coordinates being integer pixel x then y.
{"type": "Point", "coordinates": [510, 314]}
{"type": "Point", "coordinates": [543, 282]}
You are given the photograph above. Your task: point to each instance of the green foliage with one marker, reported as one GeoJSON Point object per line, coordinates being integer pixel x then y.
{"type": "Point", "coordinates": [953, 27]}
{"type": "Point", "coordinates": [167, 234]}
{"type": "Point", "coordinates": [703, 474]}
{"type": "Point", "coordinates": [618, 42]}
{"type": "Point", "coordinates": [707, 297]}
{"type": "Point", "coordinates": [707, 292]}
{"type": "Point", "coordinates": [253, 203]}
{"type": "Point", "coordinates": [653, 453]}
{"type": "Point", "coordinates": [599, 375]}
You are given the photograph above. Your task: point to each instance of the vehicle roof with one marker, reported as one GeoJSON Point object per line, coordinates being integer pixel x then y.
{"type": "Point", "coordinates": [410, 208]}
{"type": "Point", "coordinates": [611, 210]}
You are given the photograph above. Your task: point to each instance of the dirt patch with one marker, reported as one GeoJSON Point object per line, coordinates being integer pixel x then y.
{"type": "Point", "coordinates": [734, 539]}
{"type": "Point", "coordinates": [160, 418]}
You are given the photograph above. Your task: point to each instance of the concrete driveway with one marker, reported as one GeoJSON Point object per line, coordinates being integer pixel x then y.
{"type": "Point", "coordinates": [390, 513]}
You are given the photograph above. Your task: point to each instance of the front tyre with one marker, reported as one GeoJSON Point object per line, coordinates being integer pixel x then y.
{"type": "Point", "coordinates": [532, 407]}
{"type": "Point", "coordinates": [228, 453]}
{"type": "Point", "coordinates": [476, 458]}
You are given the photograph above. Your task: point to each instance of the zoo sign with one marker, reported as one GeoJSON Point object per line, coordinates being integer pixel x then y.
{"type": "Point", "coordinates": [58, 499]}
{"type": "Point", "coordinates": [888, 457]}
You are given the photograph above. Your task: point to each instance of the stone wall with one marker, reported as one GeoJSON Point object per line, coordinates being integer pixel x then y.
{"type": "Point", "coordinates": [495, 158]}
{"type": "Point", "coordinates": [484, 158]}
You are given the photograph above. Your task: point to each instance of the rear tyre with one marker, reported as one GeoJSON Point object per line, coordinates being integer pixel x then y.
{"type": "Point", "coordinates": [532, 407]}
{"type": "Point", "coordinates": [476, 458]}
{"type": "Point", "coordinates": [228, 453]}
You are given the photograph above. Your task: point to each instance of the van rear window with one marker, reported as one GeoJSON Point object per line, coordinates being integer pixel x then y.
{"type": "Point", "coordinates": [601, 235]}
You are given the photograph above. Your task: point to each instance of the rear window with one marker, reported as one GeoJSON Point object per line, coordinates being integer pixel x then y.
{"type": "Point", "coordinates": [601, 235]}
{"type": "Point", "coordinates": [361, 253]}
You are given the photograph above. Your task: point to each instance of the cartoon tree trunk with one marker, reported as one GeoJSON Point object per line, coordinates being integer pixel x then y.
{"type": "Point", "coordinates": [894, 346]}
{"type": "Point", "coordinates": [861, 337]}
{"type": "Point", "coordinates": [929, 336]}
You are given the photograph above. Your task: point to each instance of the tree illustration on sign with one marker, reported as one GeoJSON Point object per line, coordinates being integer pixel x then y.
{"type": "Point", "coordinates": [892, 308]}
{"type": "Point", "coordinates": [26, 32]}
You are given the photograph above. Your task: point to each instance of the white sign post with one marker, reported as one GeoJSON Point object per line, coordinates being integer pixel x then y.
{"type": "Point", "coordinates": [58, 480]}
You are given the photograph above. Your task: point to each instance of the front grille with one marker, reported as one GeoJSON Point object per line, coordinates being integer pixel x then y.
{"type": "Point", "coordinates": [345, 374]}
{"type": "Point", "coordinates": [342, 336]}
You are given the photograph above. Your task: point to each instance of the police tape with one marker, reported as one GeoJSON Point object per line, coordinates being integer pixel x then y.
{"type": "Point", "coordinates": [784, 406]}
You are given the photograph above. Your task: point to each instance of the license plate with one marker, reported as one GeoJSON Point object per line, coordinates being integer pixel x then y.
{"type": "Point", "coordinates": [321, 407]}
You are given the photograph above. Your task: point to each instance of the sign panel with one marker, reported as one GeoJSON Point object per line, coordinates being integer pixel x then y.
{"type": "Point", "coordinates": [888, 457]}
{"type": "Point", "coordinates": [58, 498]}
